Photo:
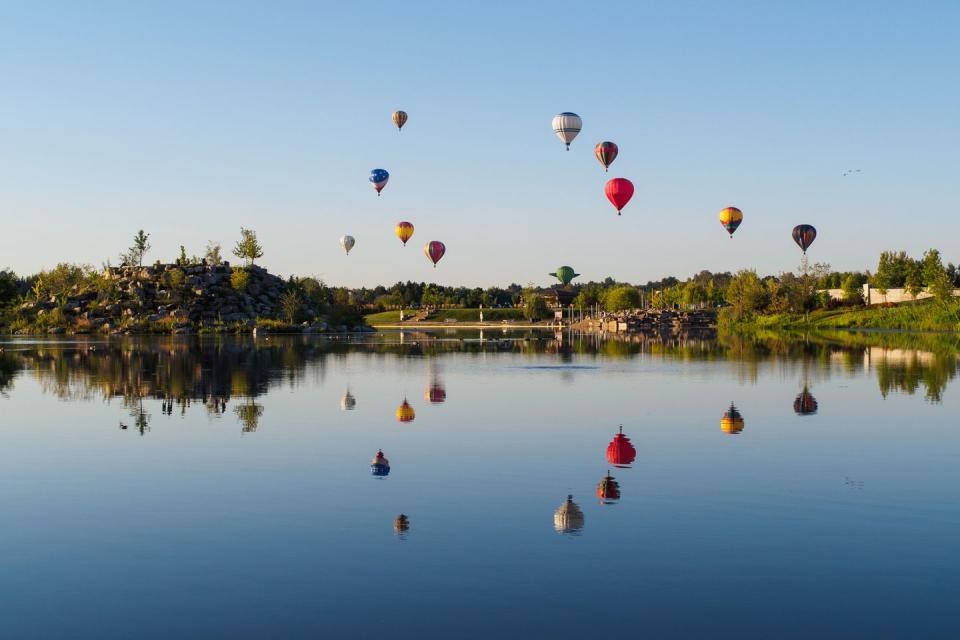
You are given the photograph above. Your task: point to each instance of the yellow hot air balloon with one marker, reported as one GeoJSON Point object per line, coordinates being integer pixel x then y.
{"type": "Point", "coordinates": [404, 231]}
{"type": "Point", "coordinates": [405, 412]}
{"type": "Point", "coordinates": [399, 119]}
{"type": "Point", "coordinates": [730, 218]}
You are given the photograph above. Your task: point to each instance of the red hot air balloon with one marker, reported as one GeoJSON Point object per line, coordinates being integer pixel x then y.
{"type": "Point", "coordinates": [620, 451]}
{"type": "Point", "coordinates": [619, 191]}
{"type": "Point", "coordinates": [434, 250]}
{"type": "Point", "coordinates": [606, 153]}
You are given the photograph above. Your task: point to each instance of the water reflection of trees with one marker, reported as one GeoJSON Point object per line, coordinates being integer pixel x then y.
{"type": "Point", "coordinates": [210, 373]}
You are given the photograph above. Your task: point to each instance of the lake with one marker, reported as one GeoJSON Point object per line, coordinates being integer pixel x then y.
{"type": "Point", "coordinates": [222, 487]}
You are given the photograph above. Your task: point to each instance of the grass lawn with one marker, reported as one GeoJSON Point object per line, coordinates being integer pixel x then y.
{"type": "Point", "coordinates": [923, 315]}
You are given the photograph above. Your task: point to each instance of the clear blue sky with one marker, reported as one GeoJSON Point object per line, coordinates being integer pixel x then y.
{"type": "Point", "coordinates": [191, 119]}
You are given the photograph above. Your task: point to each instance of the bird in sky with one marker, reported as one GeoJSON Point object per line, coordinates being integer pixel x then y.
{"type": "Point", "coordinates": [849, 171]}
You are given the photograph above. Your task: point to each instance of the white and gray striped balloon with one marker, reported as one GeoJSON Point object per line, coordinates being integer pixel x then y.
{"type": "Point", "coordinates": [347, 243]}
{"type": "Point", "coordinates": [567, 125]}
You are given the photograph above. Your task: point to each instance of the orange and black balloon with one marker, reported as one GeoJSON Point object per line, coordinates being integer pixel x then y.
{"type": "Point", "coordinates": [804, 235]}
{"type": "Point", "coordinates": [606, 153]}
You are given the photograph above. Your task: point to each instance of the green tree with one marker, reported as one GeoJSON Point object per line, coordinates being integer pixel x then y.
{"type": "Point", "coordinates": [914, 282]}
{"type": "Point", "coordinates": [213, 256]}
{"type": "Point", "coordinates": [247, 247]}
{"type": "Point", "coordinates": [746, 294]}
{"type": "Point", "coordinates": [535, 307]}
{"type": "Point", "coordinates": [622, 298]}
{"type": "Point", "coordinates": [931, 267]}
{"type": "Point", "coordinates": [9, 287]}
{"type": "Point", "coordinates": [134, 255]}
{"type": "Point", "coordinates": [942, 288]}
{"type": "Point", "coordinates": [852, 290]}
{"type": "Point", "coordinates": [290, 305]}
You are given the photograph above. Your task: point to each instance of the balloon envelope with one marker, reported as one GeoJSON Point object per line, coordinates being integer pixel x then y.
{"type": "Point", "coordinates": [567, 125]}
{"type": "Point", "coordinates": [620, 451]}
{"type": "Point", "coordinates": [404, 231]}
{"type": "Point", "coordinates": [347, 243]}
{"type": "Point", "coordinates": [378, 179]}
{"type": "Point", "coordinates": [434, 250]}
{"type": "Point", "coordinates": [619, 191]}
{"type": "Point", "coordinates": [804, 235]}
{"type": "Point", "coordinates": [606, 153]}
{"type": "Point", "coordinates": [730, 218]}
{"type": "Point", "coordinates": [732, 421]}
{"type": "Point", "coordinates": [565, 274]}
{"type": "Point", "coordinates": [399, 118]}
{"type": "Point", "coordinates": [405, 412]}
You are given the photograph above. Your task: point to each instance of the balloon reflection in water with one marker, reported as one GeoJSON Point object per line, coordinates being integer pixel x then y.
{"type": "Point", "coordinates": [568, 518]}
{"type": "Point", "coordinates": [620, 451]}
{"type": "Point", "coordinates": [732, 421]}
{"type": "Point", "coordinates": [380, 466]}
{"type": "Point", "coordinates": [405, 412]}
{"type": "Point", "coordinates": [608, 490]}
{"type": "Point", "coordinates": [401, 524]}
{"type": "Point", "coordinates": [348, 402]}
{"type": "Point", "coordinates": [805, 404]}
{"type": "Point", "coordinates": [436, 393]}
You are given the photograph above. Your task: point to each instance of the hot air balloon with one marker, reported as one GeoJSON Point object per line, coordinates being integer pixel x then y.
{"type": "Point", "coordinates": [619, 191]}
{"type": "Point", "coordinates": [606, 153]}
{"type": "Point", "coordinates": [805, 404]}
{"type": "Point", "coordinates": [401, 524]}
{"type": "Point", "coordinates": [568, 518]}
{"type": "Point", "coordinates": [434, 250]}
{"type": "Point", "coordinates": [404, 231]}
{"type": "Point", "coordinates": [732, 421]}
{"type": "Point", "coordinates": [608, 490]}
{"type": "Point", "coordinates": [730, 218]}
{"type": "Point", "coordinates": [405, 412]}
{"type": "Point", "coordinates": [567, 125]}
{"type": "Point", "coordinates": [436, 394]}
{"type": "Point", "coordinates": [348, 402]}
{"type": "Point", "coordinates": [378, 179]}
{"type": "Point", "coordinates": [620, 451]}
{"type": "Point", "coordinates": [347, 243]}
{"type": "Point", "coordinates": [564, 274]}
{"type": "Point", "coordinates": [804, 235]}
{"type": "Point", "coordinates": [380, 466]}
{"type": "Point", "coordinates": [399, 118]}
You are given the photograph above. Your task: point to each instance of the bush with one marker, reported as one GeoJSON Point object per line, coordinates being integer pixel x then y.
{"type": "Point", "coordinates": [535, 307]}
{"type": "Point", "coordinates": [239, 278]}
{"type": "Point", "coordinates": [622, 299]}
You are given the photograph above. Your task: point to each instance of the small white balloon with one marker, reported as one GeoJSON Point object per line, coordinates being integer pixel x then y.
{"type": "Point", "coordinates": [347, 243]}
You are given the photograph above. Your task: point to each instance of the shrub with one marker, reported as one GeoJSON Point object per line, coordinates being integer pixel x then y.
{"type": "Point", "coordinates": [622, 298]}
{"type": "Point", "coordinates": [239, 278]}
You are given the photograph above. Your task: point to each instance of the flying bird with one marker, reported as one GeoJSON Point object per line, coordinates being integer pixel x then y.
{"type": "Point", "coordinates": [849, 171]}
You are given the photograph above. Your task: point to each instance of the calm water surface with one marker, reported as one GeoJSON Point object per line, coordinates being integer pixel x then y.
{"type": "Point", "coordinates": [239, 500]}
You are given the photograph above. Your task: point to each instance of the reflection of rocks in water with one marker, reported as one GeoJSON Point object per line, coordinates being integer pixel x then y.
{"type": "Point", "coordinates": [805, 404]}
{"type": "Point", "coordinates": [732, 421]}
{"type": "Point", "coordinates": [249, 415]}
{"type": "Point", "coordinates": [608, 491]}
{"type": "Point", "coordinates": [568, 518]}
{"type": "Point", "coordinates": [348, 402]}
{"type": "Point", "coordinates": [405, 412]}
{"type": "Point", "coordinates": [620, 451]}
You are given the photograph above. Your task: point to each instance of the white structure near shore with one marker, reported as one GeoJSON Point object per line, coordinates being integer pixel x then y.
{"type": "Point", "coordinates": [871, 295]}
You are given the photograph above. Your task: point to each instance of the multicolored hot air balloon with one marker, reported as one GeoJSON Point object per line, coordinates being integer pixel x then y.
{"type": "Point", "coordinates": [805, 404]}
{"type": "Point", "coordinates": [434, 250]}
{"type": "Point", "coordinates": [619, 191]}
{"type": "Point", "coordinates": [732, 421]}
{"type": "Point", "coordinates": [606, 153]}
{"type": "Point", "coordinates": [347, 243]}
{"type": "Point", "coordinates": [399, 118]}
{"type": "Point", "coordinates": [436, 393]}
{"type": "Point", "coordinates": [405, 412]}
{"type": "Point", "coordinates": [620, 451]}
{"type": "Point", "coordinates": [567, 125]}
{"type": "Point", "coordinates": [608, 490]}
{"type": "Point", "coordinates": [401, 524]}
{"type": "Point", "coordinates": [568, 518]}
{"type": "Point", "coordinates": [730, 218]}
{"type": "Point", "coordinates": [804, 235]}
{"type": "Point", "coordinates": [380, 466]}
{"type": "Point", "coordinates": [404, 231]}
{"type": "Point", "coordinates": [378, 179]}
{"type": "Point", "coordinates": [564, 274]}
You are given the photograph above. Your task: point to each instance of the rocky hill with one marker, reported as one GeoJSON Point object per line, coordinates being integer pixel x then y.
{"type": "Point", "coordinates": [162, 298]}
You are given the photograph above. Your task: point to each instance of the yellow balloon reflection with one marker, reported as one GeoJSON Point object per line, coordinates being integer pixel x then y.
{"type": "Point", "coordinates": [732, 421]}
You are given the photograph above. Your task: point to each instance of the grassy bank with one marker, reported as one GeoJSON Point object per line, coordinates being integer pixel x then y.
{"type": "Point", "coordinates": [444, 315]}
{"type": "Point", "coordinates": [925, 315]}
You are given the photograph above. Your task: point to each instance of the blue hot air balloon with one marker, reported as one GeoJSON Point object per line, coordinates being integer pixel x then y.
{"type": "Point", "coordinates": [378, 179]}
